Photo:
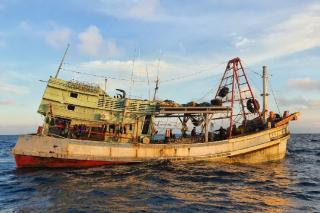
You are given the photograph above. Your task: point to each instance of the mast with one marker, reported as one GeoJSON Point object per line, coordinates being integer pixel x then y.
{"type": "Point", "coordinates": [148, 82]}
{"type": "Point", "coordinates": [156, 88]}
{"type": "Point", "coordinates": [105, 84]}
{"type": "Point", "coordinates": [62, 60]}
{"type": "Point", "coordinates": [265, 92]}
{"type": "Point", "coordinates": [131, 79]}
{"type": "Point", "coordinates": [157, 81]}
{"type": "Point", "coordinates": [235, 91]}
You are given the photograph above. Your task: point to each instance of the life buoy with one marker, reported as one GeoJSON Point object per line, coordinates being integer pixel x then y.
{"type": "Point", "coordinates": [253, 105]}
{"type": "Point", "coordinates": [145, 140]}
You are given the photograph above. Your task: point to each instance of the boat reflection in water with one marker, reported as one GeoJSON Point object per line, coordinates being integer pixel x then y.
{"type": "Point", "coordinates": [236, 187]}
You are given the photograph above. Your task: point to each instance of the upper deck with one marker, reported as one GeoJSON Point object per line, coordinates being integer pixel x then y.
{"type": "Point", "coordinates": [88, 102]}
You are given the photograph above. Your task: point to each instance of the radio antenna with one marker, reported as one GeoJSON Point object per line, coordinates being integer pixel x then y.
{"type": "Point", "coordinates": [157, 81]}
{"type": "Point", "coordinates": [148, 80]}
{"type": "Point", "coordinates": [131, 79]}
{"type": "Point", "coordinates": [62, 60]}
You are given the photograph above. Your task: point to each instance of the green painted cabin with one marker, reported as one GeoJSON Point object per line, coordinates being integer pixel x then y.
{"type": "Point", "coordinates": [80, 110]}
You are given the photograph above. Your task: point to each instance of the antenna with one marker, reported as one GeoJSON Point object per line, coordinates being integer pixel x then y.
{"type": "Point", "coordinates": [148, 80]}
{"type": "Point", "coordinates": [131, 79]}
{"type": "Point", "coordinates": [62, 60]}
{"type": "Point", "coordinates": [156, 88]}
{"type": "Point", "coordinates": [157, 81]}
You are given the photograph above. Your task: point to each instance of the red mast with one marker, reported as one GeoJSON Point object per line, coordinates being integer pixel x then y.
{"type": "Point", "coordinates": [235, 91]}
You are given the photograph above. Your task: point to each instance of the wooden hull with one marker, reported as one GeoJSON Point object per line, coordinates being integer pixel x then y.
{"type": "Point", "coordinates": [43, 151]}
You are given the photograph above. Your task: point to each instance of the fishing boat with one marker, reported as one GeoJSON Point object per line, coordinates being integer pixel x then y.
{"type": "Point", "coordinates": [85, 126]}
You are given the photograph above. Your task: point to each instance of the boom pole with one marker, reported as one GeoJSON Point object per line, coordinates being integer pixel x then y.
{"type": "Point", "coordinates": [62, 60]}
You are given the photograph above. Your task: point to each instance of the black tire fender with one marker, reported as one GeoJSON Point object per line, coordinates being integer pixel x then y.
{"type": "Point", "coordinates": [253, 105]}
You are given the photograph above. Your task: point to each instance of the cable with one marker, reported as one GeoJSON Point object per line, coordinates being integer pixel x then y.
{"type": "Point", "coordinates": [131, 79]}
{"type": "Point", "coordinates": [274, 97]}
{"type": "Point", "coordinates": [194, 73]}
{"type": "Point", "coordinates": [149, 93]}
{"type": "Point", "coordinates": [142, 81]}
{"type": "Point", "coordinates": [272, 91]}
{"type": "Point", "coordinates": [100, 76]}
{"type": "Point", "coordinates": [203, 97]}
{"type": "Point", "coordinates": [253, 82]}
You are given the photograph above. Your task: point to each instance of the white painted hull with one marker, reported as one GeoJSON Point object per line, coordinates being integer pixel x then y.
{"type": "Point", "coordinates": [268, 145]}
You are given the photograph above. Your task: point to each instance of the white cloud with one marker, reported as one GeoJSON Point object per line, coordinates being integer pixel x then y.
{"type": "Point", "coordinates": [123, 69]}
{"type": "Point", "coordinates": [309, 109]}
{"type": "Point", "coordinates": [242, 41]}
{"type": "Point", "coordinates": [6, 102]}
{"type": "Point", "coordinates": [143, 9]}
{"type": "Point", "coordinates": [25, 25]}
{"type": "Point", "coordinates": [9, 88]}
{"type": "Point", "coordinates": [307, 122]}
{"type": "Point", "coordinates": [300, 103]}
{"type": "Point", "coordinates": [306, 84]}
{"type": "Point", "coordinates": [137, 9]}
{"type": "Point", "coordinates": [298, 33]}
{"type": "Point", "coordinates": [53, 34]}
{"type": "Point", "coordinates": [111, 48]}
{"type": "Point", "coordinates": [167, 70]}
{"type": "Point", "coordinates": [92, 43]}
{"type": "Point", "coordinates": [259, 36]}
{"type": "Point", "coordinates": [57, 38]}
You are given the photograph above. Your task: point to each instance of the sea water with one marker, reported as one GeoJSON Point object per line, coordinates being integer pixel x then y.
{"type": "Point", "coordinates": [290, 185]}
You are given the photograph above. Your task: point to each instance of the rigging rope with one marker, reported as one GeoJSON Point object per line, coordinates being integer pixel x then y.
{"type": "Point", "coordinates": [274, 97]}
{"type": "Point", "coordinates": [131, 79]}
{"type": "Point", "coordinates": [253, 82]}
{"type": "Point", "coordinates": [143, 81]}
{"type": "Point", "coordinates": [195, 73]}
{"type": "Point", "coordinates": [203, 97]}
{"type": "Point", "coordinates": [100, 76]}
{"type": "Point", "coordinates": [271, 88]}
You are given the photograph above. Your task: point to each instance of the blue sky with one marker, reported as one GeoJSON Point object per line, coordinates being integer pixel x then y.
{"type": "Point", "coordinates": [193, 38]}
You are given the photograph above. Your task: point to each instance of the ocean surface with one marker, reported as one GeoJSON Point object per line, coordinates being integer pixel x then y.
{"type": "Point", "coordinates": [291, 185]}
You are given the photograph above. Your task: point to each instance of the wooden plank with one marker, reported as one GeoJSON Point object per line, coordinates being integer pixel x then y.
{"type": "Point", "coordinates": [183, 110]}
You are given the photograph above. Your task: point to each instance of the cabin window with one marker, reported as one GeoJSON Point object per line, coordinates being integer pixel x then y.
{"type": "Point", "coordinates": [146, 124]}
{"type": "Point", "coordinates": [130, 127]}
{"type": "Point", "coordinates": [73, 95]}
{"type": "Point", "coordinates": [71, 107]}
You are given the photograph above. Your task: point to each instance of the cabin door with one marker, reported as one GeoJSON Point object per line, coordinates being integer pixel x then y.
{"type": "Point", "coordinates": [146, 125]}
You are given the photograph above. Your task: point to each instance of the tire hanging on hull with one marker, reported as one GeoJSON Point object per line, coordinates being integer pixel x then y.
{"type": "Point", "coordinates": [253, 105]}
